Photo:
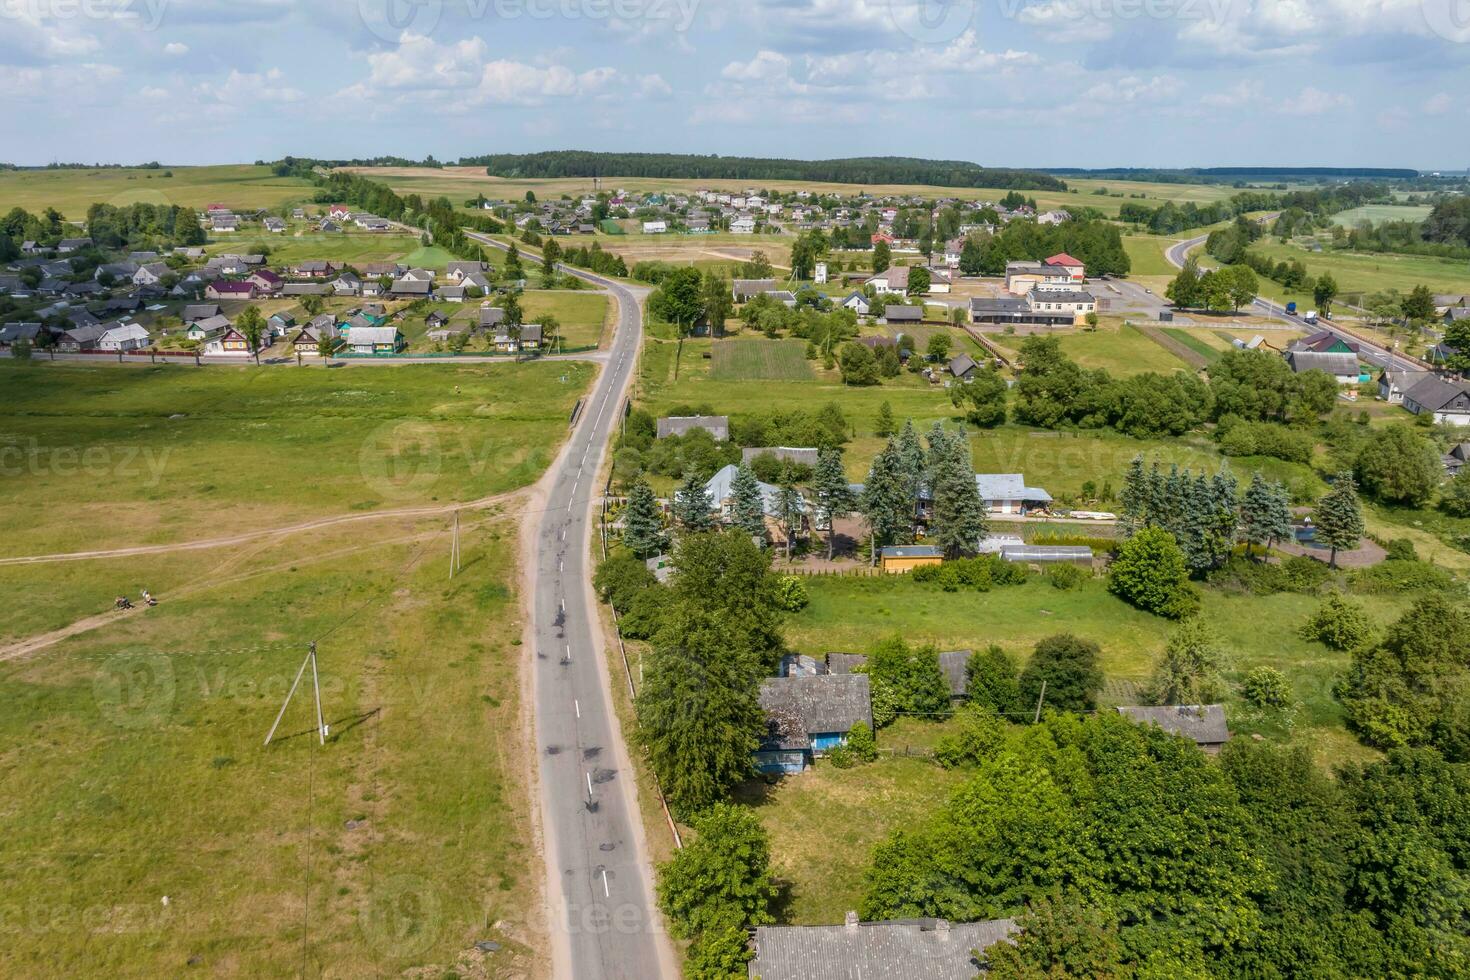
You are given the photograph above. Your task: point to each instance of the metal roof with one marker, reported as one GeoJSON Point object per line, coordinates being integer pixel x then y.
{"type": "Point", "coordinates": [914, 949]}
{"type": "Point", "coordinates": [1203, 724]}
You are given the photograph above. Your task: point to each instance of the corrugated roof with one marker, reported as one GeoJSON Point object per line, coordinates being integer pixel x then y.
{"type": "Point", "coordinates": [1203, 724]}
{"type": "Point", "coordinates": [915, 949]}
{"type": "Point", "coordinates": [824, 703]}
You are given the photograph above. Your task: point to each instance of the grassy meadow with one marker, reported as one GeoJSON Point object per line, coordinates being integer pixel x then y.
{"type": "Point", "coordinates": [71, 192]}
{"type": "Point", "coordinates": [1363, 272]}
{"type": "Point", "coordinates": [350, 248]}
{"type": "Point", "coordinates": [147, 830]}
{"type": "Point", "coordinates": [146, 455]}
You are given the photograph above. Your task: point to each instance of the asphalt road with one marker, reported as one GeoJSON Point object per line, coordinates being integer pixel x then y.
{"type": "Point", "coordinates": [603, 920]}
{"type": "Point", "coordinates": [1368, 353]}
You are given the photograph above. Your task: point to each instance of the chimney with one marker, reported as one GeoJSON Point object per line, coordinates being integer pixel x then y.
{"type": "Point", "coordinates": [941, 929]}
{"type": "Point", "coordinates": [851, 924]}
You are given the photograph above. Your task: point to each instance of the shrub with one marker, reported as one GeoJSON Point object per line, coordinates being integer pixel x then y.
{"type": "Point", "coordinates": [842, 757]}
{"type": "Point", "coordinates": [1401, 549]}
{"type": "Point", "coordinates": [991, 680]}
{"type": "Point", "coordinates": [1394, 576]}
{"type": "Point", "coordinates": [1068, 576]}
{"type": "Point", "coordinates": [978, 735]}
{"type": "Point", "coordinates": [1339, 623]}
{"type": "Point", "coordinates": [1068, 667]}
{"type": "Point", "coordinates": [861, 743]}
{"type": "Point", "coordinates": [1267, 687]}
{"type": "Point", "coordinates": [620, 579]}
{"type": "Point", "coordinates": [791, 594]}
{"type": "Point", "coordinates": [1150, 573]}
{"type": "Point", "coordinates": [1456, 498]}
{"type": "Point", "coordinates": [1297, 574]}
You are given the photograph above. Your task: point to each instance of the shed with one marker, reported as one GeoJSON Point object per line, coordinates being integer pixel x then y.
{"type": "Point", "coordinates": [898, 559]}
{"type": "Point", "coordinates": [1203, 724]}
{"type": "Point", "coordinates": [716, 425]}
{"type": "Point", "coordinates": [931, 949]}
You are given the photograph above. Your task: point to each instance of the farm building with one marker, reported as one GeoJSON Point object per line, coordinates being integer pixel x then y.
{"type": "Point", "coordinates": [809, 715]}
{"type": "Point", "coordinates": [745, 290]}
{"type": "Point", "coordinates": [376, 341]}
{"type": "Point", "coordinates": [716, 425]}
{"type": "Point", "coordinates": [1342, 366]}
{"type": "Point", "coordinates": [933, 949]}
{"type": "Point", "coordinates": [1446, 401]}
{"type": "Point", "coordinates": [1202, 724]}
{"type": "Point", "coordinates": [898, 559]}
{"type": "Point", "coordinates": [1007, 493]}
{"type": "Point", "coordinates": [1036, 554]}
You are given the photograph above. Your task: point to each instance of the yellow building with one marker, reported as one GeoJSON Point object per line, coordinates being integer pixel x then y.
{"type": "Point", "coordinates": [905, 558]}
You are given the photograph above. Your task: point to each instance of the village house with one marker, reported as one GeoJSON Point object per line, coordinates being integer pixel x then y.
{"type": "Point", "coordinates": [1342, 366]}
{"type": "Point", "coordinates": [412, 288]}
{"type": "Point", "coordinates": [230, 289]}
{"type": "Point", "coordinates": [1456, 458]}
{"type": "Point", "coordinates": [1015, 311]}
{"type": "Point", "coordinates": [375, 341]}
{"type": "Point", "coordinates": [313, 269]}
{"type": "Point", "coordinates": [199, 311]}
{"type": "Point", "coordinates": [808, 716]}
{"type": "Point", "coordinates": [932, 949]}
{"type": "Point", "coordinates": [307, 341]}
{"type": "Point", "coordinates": [123, 337]}
{"type": "Point", "coordinates": [1447, 401]}
{"type": "Point", "coordinates": [208, 329]}
{"type": "Point", "coordinates": [510, 340]}
{"type": "Point", "coordinates": [232, 342]}
{"type": "Point", "coordinates": [745, 290]}
{"type": "Point", "coordinates": [1007, 493]}
{"type": "Point", "coordinates": [151, 274]}
{"type": "Point", "coordinates": [900, 313]}
{"type": "Point", "coordinates": [716, 425]}
{"type": "Point", "coordinates": [1204, 725]}
{"type": "Point", "coordinates": [85, 337]}
{"type": "Point", "coordinates": [857, 302]}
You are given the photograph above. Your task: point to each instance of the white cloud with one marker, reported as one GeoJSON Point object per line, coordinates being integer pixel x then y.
{"type": "Point", "coordinates": [457, 76]}
{"type": "Point", "coordinates": [1439, 104]}
{"type": "Point", "coordinates": [766, 66]}
{"type": "Point", "coordinates": [1066, 21]}
{"type": "Point", "coordinates": [1134, 88]}
{"type": "Point", "coordinates": [1314, 102]}
{"type": "Point", "coordinates": [175, 48]}
{"type": "Point", "coordinates": [247, 88]}
{"type": "Point", "coordinates": [1239, 94]}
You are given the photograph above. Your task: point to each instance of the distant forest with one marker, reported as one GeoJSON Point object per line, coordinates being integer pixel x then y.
{"type": "Point", "coordinates": [857, 170]}
{"type": "Point", "coordinates": [1208, 175]}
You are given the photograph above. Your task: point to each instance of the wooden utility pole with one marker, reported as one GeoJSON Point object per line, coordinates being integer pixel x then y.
{"type": "Point", "coordinates": [454, 558]}
{"type": "Point", "coordinates": [1039, 699]}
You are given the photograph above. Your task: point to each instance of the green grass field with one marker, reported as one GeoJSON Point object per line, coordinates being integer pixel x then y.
{"type": "Point", "coordinates": [1379, 213]}
{"type": "Point", "coordinates": [147, 455]}
{"type": "Point", "coordinates": [1358, 272]}
{"type": "Point", "coordinates": [1195, 342]}
{"type": "Point", "coordinates": [133, 742]}
{"type": "Point", "coordinates": [462, 183]}
{"type": "Point", "coordinates": [350, 248]}
{"type": "Point", "coordinates": [72, 191]}
{"type": "Point", "coordinates": [1116, 347]}
{"type": "Point", "coordinates": [1146, 255]}
{"type": "Point", "coordinates": [760, 360]}
{"type": "Point", "coordinates": [582, 314]}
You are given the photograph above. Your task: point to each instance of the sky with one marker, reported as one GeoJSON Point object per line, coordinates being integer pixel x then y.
{"type": "Point", "coordinates": [1025, 83]}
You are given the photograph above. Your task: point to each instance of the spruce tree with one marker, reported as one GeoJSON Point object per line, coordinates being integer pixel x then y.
{"type": "Point", "coordinates": [1282, 521]}
{"type": "Point", "coordinates": [1338, 517]}
{"type": "Point", "coordinates": [885, 425]}
{"type": "Point", "coordinates": [643, 526]}
{"type": "Point", "coordinates": [886, 502]}
{"type": "Point", "coordinates": [692, 507]}
{"type": "Point", "coordinates": [1224, 517]}
{"type": "Point", "coordinates": [747, 505]}
{"type": "Point", "coordinates": [958, 519]}
{"type": "Point", "coordinates": [789, 508]}
{"type": "Point", "coordinates": [833, 492]}
{"type": "Point", "coordinates": [1264, 516]}
{"type": "Point", "coordinates": [1134, 516]}
{"type": "Point", "coordinates": [910, 462]}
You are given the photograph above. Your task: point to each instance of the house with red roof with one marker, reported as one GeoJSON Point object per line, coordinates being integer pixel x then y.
{"type": "Point", "coordinates": [229, 289]}
{"type": "Point", "coordinates": [266, 281]}
{"type": "Point", "coordinates": [1074, 267]}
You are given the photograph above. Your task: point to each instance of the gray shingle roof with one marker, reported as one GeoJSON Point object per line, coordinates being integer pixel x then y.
{"type": "Point", "coordinates": [913, 949]}
{"type": "Point", "coordinates": [823, 704]}
{"type": "Point", "coordinates": [1203, 724]}
{"type": "Point", "coordinates": [1338, 365]}
{"type": "Point", "coordinates": [717, 425]}
{"type": "Point", "coordinates": [903, 312]}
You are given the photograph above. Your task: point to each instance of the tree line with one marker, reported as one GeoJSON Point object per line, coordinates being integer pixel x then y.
{"type": "Point", "coordinates": [682, 166]}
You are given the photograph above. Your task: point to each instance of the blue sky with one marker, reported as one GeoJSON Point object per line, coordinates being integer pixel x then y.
{"type": "Point", "coordinates": [1001, 82]}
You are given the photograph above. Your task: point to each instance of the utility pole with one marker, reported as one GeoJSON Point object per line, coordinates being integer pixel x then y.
{"type": "Point", "coordinates": [321, 726]}
{"type": "Point", "coordinates": [454, 562]}
{"type": "Point", "coordinates": [1039, 699]}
